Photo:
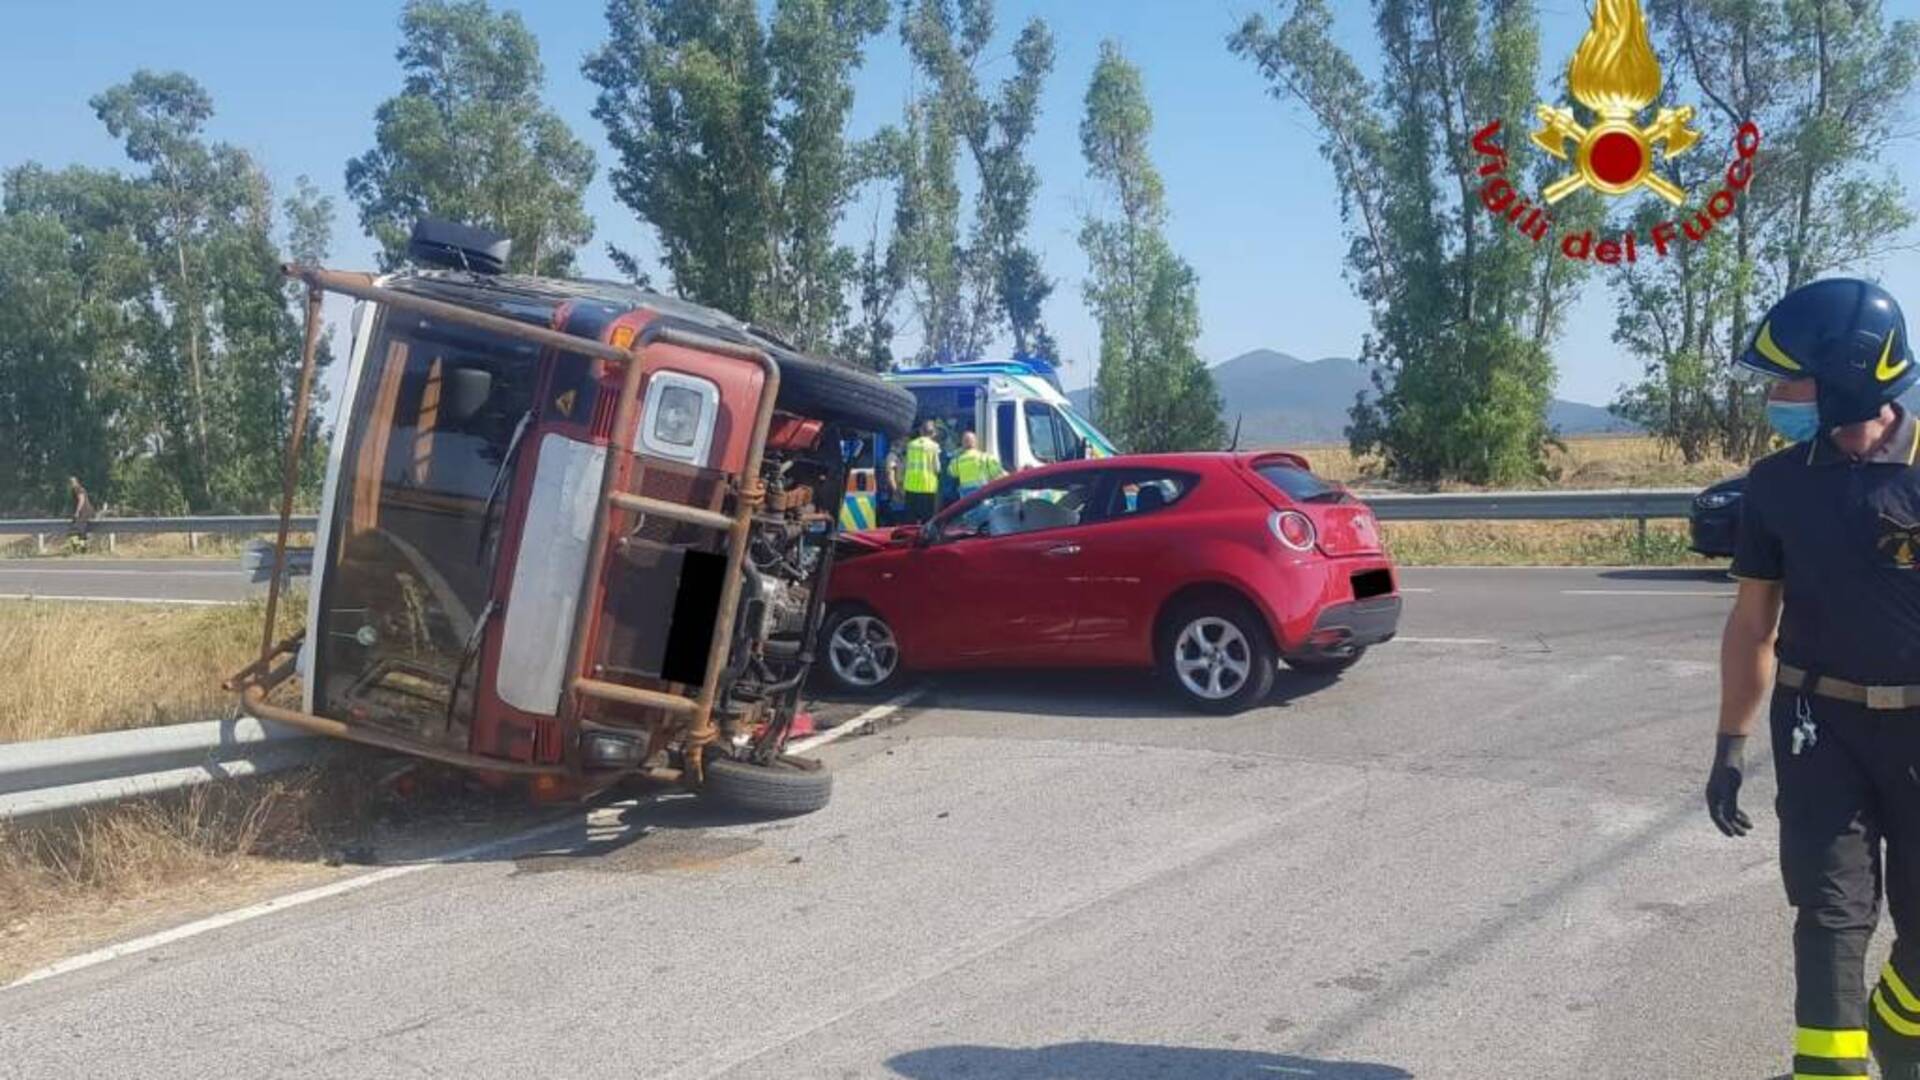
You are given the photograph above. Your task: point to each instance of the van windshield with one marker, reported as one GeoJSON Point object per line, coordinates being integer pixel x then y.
{"type": "Point", "coordinates": [408, 572]}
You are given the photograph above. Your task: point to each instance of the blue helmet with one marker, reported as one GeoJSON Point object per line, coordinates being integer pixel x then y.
{"type": "Point", "coordinates": [1848, 336]}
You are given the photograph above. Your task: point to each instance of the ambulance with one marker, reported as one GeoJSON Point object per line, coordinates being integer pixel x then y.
{"type": "Point", "coordinates": [1015, 408]}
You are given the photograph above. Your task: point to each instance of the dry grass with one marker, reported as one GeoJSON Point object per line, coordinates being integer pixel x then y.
{"type": "Point", "coordinates": [78, 882]}
{"type": "Point", "coordinates": [1584, 463]}
{"type": "Point", "coordinates": [1539, 543]}
{"type": "Point", "coordinates": [77, 668]}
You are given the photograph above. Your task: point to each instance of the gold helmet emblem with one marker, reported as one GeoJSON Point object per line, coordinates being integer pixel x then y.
{"type": "Point", "coordinates": [1616, 75]}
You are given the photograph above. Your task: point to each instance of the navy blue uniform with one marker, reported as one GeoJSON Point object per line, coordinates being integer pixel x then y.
{"type": "Point", "coordinates": [1844, 538]}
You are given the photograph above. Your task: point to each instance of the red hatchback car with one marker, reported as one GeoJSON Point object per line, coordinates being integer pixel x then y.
{"type": "Point", "coordinates": [1210, 568]}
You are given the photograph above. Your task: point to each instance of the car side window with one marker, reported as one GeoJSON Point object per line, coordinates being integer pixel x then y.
{"type": "Point", "coordinates": [1137, 493]}
{"type": "Point", "coordinates": [1052, 503]}
{"type": "Point", "coordinates": [1004, 433]}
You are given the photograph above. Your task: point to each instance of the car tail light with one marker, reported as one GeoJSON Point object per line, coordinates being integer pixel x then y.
{"type": "Point", "coordinates": [1292, 528]}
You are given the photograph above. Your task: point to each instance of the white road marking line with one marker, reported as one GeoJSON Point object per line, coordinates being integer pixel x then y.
{"type": "Point", "coordinates": [1722, 593]}
{"type": "Point", "coordinates": [353, 884]}
{"type": "Point", "coordinates": [1446, 640]}
{"type": "Point", "coordinates": [1405, 590]}
{"type": "Point", "coordinates": [121, 599]}
{"type": "Point", "coordinates": [871, 716]}
{"type": "Point", "coordinates": [282, 903]}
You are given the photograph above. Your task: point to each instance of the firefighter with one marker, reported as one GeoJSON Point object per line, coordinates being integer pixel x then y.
{"type": "Point", "coordinates": [921, 477]}
{"type": "Point", "coordinates": [1828, 610]}
{"type": "Point", "coordinates": [973, 468]}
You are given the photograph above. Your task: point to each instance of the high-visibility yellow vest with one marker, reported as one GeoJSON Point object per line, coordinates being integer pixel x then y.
{"type": "Point", "coordinates": [974, 468]}
{"type": "Point", "coordinates": [922, 473]}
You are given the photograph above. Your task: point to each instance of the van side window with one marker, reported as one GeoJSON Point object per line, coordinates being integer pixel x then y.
{"type": "Point", "coordinates": [1043, 433]}
{"type": "Point", "coordinates": [1004, 427]}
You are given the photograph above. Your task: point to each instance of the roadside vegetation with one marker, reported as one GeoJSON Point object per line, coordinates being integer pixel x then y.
{"type": "Point", "coordinates": [78, 668]}
{"type": "Point", "coordinates": [69, 886]}
{"type": "Point", "coordinates": [1580, 463]}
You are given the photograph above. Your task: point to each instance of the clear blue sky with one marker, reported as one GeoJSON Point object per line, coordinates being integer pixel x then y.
{"type": "Point", "coordinates": [1254, 208]}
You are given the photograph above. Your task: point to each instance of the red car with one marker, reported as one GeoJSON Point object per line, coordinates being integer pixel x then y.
{"type": "Point", "coordinates": [1207, 567]}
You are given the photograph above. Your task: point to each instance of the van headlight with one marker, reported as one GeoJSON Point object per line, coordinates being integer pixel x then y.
{"type": "Point", "coordinates": [678, 419]}
{"type": "Point", "coordinates": [1717, 500]}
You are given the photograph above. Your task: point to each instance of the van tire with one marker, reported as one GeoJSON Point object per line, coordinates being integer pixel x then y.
{"type": "Point", "coordinates": [783, 788]}
{"type": "Point", "coordinates": [843, 395]}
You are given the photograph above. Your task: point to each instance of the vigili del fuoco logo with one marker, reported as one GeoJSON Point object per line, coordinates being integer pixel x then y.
{"type": "Point", "coordinates": [1616, 75]}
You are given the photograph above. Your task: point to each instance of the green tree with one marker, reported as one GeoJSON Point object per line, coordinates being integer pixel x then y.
{"type": "Point", "coordinates": [1824, 81]}
{"type": "Point", "coordinates": [995, 280]}
{"type": "Point", "coordinates": [731, 142]}
{"type": "Point", "coordinates": [1154, 391]}
{"type": "Point", "coordinates": [469, 139]}
{"type": "Point", "coordinates": [160, 117]}
{"type": "Point", "coordinates": [77, 319]}
{"type": "Point", "coordinates": [1464, 308]}
{"type": "Point", "coordinates": [147, 342]}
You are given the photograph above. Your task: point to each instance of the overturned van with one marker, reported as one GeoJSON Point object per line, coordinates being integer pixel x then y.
{"type": "Point", "coordinates": [570, 530]}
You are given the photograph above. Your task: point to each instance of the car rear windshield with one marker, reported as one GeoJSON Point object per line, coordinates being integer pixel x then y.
{"type": "Point", "coordinates": [1297, 483]}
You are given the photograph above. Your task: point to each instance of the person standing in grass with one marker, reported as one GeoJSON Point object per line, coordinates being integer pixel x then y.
{"type": "Point", "coordinates": [81, 527]}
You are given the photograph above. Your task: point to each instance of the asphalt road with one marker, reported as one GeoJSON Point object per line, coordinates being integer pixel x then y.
{"type": "Point", "coordinates": [173, 581]}
{"type": "Point", "coordinates": [1479, 854]}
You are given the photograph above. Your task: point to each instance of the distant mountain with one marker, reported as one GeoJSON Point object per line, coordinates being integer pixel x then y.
{"type": "Point", "coordinates": [1282, 399]}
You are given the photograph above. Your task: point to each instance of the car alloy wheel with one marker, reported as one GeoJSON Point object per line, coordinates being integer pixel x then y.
{"type": "Point", "coordinates": [862, 651]}
{"type": "Point", "coordinates": [1212, 658]}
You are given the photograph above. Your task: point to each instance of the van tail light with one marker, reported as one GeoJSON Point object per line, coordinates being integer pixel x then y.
{"type": "Point", "coordinates": [1292, 528]}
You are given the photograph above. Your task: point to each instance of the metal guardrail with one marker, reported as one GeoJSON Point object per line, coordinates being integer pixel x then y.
{"type": "Point", "coordinates": [1388, 506]}
{"type": "Point", "coordinates": [194, 527]}
{"type": "Point", "coordinates": [53, 775]}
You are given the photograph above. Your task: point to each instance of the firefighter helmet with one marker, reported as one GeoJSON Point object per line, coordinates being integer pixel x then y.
{"type": "Point", "coordinates": [1848, 336]}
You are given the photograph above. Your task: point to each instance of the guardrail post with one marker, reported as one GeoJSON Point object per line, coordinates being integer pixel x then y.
{"type": "Point", "coordinates": [1640, 539]}
{"type": "Point", "coordinates": [39, 543]}
{"type": "Point", "coordinates": [193, 542]}
{"type": "Point", "coordinates": [110, 542]}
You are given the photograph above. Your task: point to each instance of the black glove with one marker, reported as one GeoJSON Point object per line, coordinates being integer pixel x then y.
{"type": "Point", "coordinates": [1723, 785]}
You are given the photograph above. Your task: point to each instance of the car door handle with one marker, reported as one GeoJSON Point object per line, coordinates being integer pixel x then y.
{"type": "Point", "coordinates": [1059, 551]}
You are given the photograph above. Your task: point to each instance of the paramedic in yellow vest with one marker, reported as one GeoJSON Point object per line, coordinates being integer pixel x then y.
{"type": "Point", "coordinates": [921, 477]}
{"type": "Point", "coordinates": [973, 468]}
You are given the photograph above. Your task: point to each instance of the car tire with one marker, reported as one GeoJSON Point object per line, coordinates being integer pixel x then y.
{"type": "Point", "coordinates": [843, 395]}
{"type": "Point", "coordinates": [861, 652]}
{"type": "Point", "coordinates": [783, 788]}
{"type": "Point", "coordinates": [1324, 665]}
{"type": "Point", "coordinates": [1216, 655]}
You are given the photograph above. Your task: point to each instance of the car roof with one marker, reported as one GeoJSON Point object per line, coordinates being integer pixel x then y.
{"type": "Point", "coordinates": [1189, 460]}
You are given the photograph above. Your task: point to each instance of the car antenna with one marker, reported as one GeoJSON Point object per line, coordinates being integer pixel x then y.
{"type": "Point", "coordinates": [1236, 433]}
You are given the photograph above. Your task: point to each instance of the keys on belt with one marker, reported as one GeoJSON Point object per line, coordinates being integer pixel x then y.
{"type": "Point", "coordinates": [1879, 698]}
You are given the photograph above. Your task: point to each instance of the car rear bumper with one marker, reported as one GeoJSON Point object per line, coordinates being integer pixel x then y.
{"type": "Point", "coordinates": [1343, 628]}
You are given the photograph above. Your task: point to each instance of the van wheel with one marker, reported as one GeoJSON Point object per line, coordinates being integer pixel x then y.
{"type": "Point", "coordinates": [843, 395]}
{"type": "Point", "coordinates": [1216, 656]}
{"type": "Point", "coordinates": [783, 788]}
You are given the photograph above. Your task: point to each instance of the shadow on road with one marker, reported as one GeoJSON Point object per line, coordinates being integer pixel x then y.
{"type": "Point", "coordinates": [1124, 1061]}
{"type": "Point", "coordinates": [1716, 574]}
{"type": "Point", "coordinates": [1118, 695]}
